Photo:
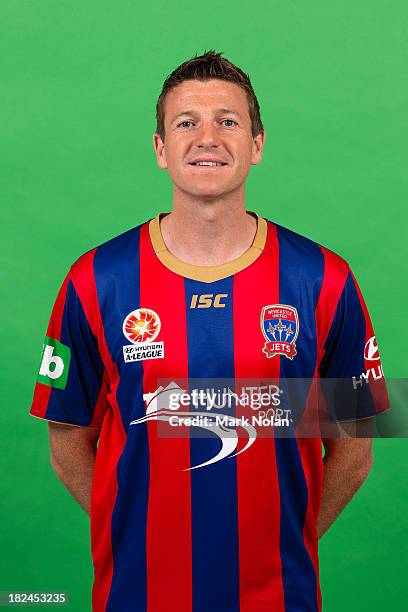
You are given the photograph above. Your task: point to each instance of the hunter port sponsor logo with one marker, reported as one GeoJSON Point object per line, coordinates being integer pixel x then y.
{"type": "Point", "coordinates": [198, 408]}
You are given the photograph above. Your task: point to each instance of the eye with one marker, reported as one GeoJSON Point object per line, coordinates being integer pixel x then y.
{"type": "Point", "coordinates": [183, 123]}
{"type": "Point", "coordinates": [229, 122]}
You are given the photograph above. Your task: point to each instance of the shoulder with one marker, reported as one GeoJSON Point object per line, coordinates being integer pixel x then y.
{"type": "Point", "coordinates": [299, 252]}
{"type": "Point", "coordinates": [106, 255]}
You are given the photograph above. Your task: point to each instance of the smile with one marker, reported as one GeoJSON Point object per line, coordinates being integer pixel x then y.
{"type": "Point", "coordinates": [207, 163]}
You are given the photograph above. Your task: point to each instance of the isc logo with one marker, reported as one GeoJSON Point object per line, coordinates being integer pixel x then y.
{"type": "Point", "coordinates": [206, 300]}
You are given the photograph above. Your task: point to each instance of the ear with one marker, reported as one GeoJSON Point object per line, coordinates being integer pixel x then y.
{"type": "Point", "coordinates": [160, 150]}
{"type": "Point", "coordinates": [257, 146]}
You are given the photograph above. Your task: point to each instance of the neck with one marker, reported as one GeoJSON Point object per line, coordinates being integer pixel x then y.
{"type": "Point", "coordinates": [208, 232]}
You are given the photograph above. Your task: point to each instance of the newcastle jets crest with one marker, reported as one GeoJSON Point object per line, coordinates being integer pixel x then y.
{"type": "Point", "coordinates": [280, 326]}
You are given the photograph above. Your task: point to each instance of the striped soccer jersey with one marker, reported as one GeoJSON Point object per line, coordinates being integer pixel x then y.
{"type": "Point", "coordinates": [171, 530]}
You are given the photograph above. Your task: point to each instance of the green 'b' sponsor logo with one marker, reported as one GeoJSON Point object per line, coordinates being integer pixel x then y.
{"type": "Point", "coordinates": [54, 365]}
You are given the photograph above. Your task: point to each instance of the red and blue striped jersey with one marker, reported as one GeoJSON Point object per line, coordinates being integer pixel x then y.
{"type": "Point", "coordinates": [239, 534]}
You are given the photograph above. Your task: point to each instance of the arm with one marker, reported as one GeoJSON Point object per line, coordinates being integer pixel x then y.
{"type": "Point", "coordinates": [72, 455]}
{"type": "Point", "coordinates": [347, 463]}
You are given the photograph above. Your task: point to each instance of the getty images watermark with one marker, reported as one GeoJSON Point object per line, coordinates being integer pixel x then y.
{"type": "Point", "coordinates": [288, 407]}
{"type": "Point", "coordinates": [264, 399]}
{"type": "Point", "coordinates": [234, 413]}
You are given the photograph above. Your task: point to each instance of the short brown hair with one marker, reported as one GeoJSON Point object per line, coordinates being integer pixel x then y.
{"type": "Point", "coordinates": [210, 65]}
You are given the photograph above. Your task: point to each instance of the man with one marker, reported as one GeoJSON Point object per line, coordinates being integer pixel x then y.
{"type": "Point", "coordinates": [202, 292]}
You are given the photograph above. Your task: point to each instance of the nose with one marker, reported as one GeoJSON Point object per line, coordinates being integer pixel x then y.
{"type": "Point", "coordinates": [207, 135]}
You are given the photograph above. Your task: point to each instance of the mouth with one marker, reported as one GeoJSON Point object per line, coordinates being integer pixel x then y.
{"type": "Point", "coordinates": [208, 164]}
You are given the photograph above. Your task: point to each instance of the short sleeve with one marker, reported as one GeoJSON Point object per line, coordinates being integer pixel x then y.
{"type": "Point", "coordinates": [72, 384]}
{"type": "Point", "coordinates": [351, 371]}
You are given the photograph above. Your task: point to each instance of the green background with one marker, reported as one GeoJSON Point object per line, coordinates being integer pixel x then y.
{"type": "Point", "coordinates": [78, 93]}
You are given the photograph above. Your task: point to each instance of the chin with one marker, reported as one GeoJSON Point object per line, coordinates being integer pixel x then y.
{"type": "Point", "coordinates": [204, 190]}
{"type": "Point", "coordinates": [207, 194]}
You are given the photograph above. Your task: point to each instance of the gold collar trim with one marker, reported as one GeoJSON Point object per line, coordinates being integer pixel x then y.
{"type": "Point", "coordinates": [207, 274]}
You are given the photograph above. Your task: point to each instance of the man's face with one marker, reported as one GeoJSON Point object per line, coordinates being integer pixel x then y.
{"type": "Point", "coordinates": [207, 121]}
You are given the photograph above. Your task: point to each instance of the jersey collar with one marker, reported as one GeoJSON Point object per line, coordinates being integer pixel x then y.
{"type": "Point", "coordinates": [207, 274]}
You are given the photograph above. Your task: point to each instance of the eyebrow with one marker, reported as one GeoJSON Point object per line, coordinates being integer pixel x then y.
{"type": "Point", "coordinates": [227, 111]}
{"type": "Point", "coordinates": [219, 111]}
